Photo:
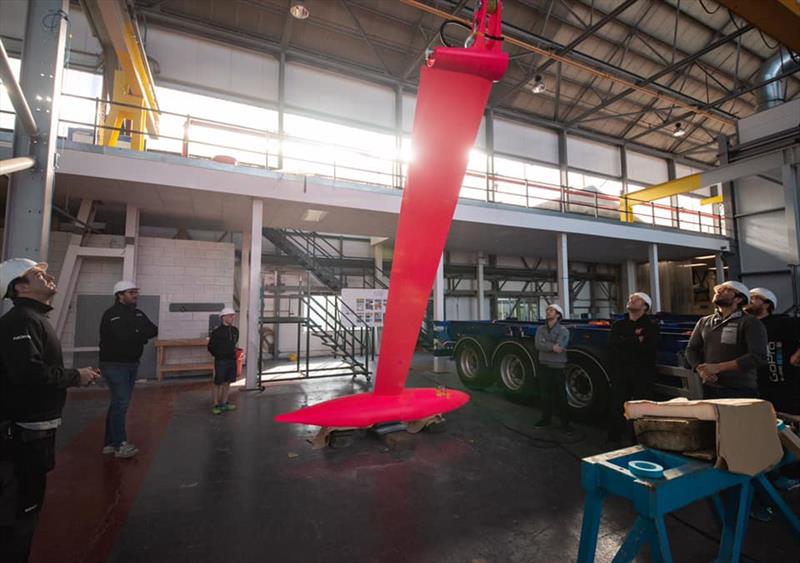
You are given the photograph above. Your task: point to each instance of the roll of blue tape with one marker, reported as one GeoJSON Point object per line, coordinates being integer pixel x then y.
{"type": "Point", "coordinates": [646, 469]}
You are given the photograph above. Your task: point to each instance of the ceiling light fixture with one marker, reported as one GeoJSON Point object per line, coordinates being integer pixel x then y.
{"type": "Point", "coordinates": [679, 130]}
{"type": "Point", "coordinates": [314, 215]}
{"type": "Point", "coordinates": [537, 85]}
{"type": "Point", "coordinates": [299, 10]}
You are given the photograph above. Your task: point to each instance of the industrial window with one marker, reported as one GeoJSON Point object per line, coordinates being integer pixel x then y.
{"type": "Point", "coordinates": [216, 127]}
{"type": "Point", "coordinates": [593, 195]}
{"type": "Point", "coordinates": [646, 169]}
{"type": "Point", "coordinates": [338, 151]}
{"type": "Point", "coordinates": [474, 185]}
{"type": "Point", "coordinates": [525, 141]}
{"type": "Point", "coordinates": [527, 184]}
{"type": "Point", "coordinates": [593, 156]}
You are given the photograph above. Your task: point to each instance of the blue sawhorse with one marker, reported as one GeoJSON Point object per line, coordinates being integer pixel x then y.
{"type": "Point", "coordinates": [685, 481]}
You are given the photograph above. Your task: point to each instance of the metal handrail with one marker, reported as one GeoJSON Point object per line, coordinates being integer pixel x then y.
{"type": "Point", "coordinates": [599, 204]}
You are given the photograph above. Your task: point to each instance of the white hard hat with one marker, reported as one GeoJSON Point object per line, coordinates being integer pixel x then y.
{"type": "Point", "coordinates": [16, 268]}
{"type": "Point", "coordinates": [124, 285]}
{"type": "Point", "coordinates": [556, 307]}
{"type": "Point", "coordinates": [765, 294]}
{"type": "Point", "coordinates": [227, 311]}
{"type": "Point", "coordinates": [644, 297]}
{"type": "Point", "coordinates": [739, 287]}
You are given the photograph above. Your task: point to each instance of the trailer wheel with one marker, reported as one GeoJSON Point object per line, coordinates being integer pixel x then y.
{"type": "Point", "coordinates": [517, 374]}
{"type": "Point", "coordinates": [472, 370]}
{"type": "Point", "coordinates": [586, 386]}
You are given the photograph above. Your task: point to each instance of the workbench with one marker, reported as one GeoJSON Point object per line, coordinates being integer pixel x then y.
{"type": "Point", "coordinates": [685, 481]}
{"type": "Point", "coordinates": [163, 345]}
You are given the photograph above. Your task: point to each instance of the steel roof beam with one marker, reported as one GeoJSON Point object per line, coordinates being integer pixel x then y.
{"type": "Point", "coordinates": [566, 49]}
{"type": "Point", "coordinates": [671, 68]}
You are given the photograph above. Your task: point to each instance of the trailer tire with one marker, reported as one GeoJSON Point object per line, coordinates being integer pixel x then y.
{"type": "Point", "coordinates": [516, 373]}
{"type": "Point", "coordinates": [587, 386]}
{"type": "Point", "coordinates": [471, 366]}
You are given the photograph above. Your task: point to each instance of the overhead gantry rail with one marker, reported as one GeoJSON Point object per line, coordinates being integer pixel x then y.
{"type": "Point", "coordinates": [133, 83]}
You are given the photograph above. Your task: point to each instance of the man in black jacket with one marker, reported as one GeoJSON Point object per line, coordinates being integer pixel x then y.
{"type": "Point", "coordinates": [633, 341]}
{"type": "Point", "coordinates": [124, 330]}
{"type": "Point", "coordinates": [33, 389]}
{"type": "Point", "coordinates": [222, 345]}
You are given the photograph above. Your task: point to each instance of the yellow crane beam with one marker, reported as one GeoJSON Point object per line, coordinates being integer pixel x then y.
{"type": "Point", "coordinates": [778, 18]}
{"type": "Point", "coordinates": [133, 83]}
{"type": "Point", "coordinates": [693, 182]}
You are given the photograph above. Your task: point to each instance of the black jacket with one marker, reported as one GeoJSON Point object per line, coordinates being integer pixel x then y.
{"type": "Point", "coordinates": [124, 330]}
{"type": "Point", "coordinates": [629, 353]}
{"type": "Point", "coordinates": [222, 343]}
{"type": "Point", "coordinates": [33, 380]}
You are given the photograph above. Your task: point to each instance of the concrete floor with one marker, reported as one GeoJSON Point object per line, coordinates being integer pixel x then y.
{"type": "Point", "coordinates": [240, 488]}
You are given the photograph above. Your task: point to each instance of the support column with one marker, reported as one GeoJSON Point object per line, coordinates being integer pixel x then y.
{"type": "Point", "coordinates": [30, 192]}
{"type": "Point", "coordinates": [481, 288]}
{"type": "Point", "coordinates": [244, 293]}
{"type": "Point", "coordinates": [131, 241]}
{"type": "Point", "coordinates": [631, 285]}
{"type": "Point", "coordinates": [655, 282]}
{"type": "Point", "coordinates": [439, 364]}
{"type": "Point", "coordinates": [719, 266]}
{"type": "Point", "coordinates": [254, 293]}
{"type": "Point", "coordinates": [791, 190]}
{"type": "Point", "coordinates": [562, 283]}
{"type": "Point", "coordinates": [563, 168]}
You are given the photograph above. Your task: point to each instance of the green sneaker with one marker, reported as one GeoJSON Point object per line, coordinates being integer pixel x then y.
{"type": "Point", "coordinates": [217, 410]}
{"type": "Point", "coordinates": [228, 407]}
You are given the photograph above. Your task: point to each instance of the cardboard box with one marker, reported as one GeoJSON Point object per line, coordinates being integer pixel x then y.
{"type": "Point", "coordinates": [747, 439]}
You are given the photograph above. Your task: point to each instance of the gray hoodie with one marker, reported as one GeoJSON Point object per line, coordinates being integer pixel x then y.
{"type": "Point", "coordinates": [546, 337]}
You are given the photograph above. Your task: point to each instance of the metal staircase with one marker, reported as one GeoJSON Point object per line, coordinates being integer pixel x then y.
{"type": "Point", "coordinates": [315, 253]}
{"type": "Point", "coordinates": [352, 343]}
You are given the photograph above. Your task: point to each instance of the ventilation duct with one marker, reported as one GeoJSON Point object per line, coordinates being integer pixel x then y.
{"type": "Point", "coordinates": [772, 94]}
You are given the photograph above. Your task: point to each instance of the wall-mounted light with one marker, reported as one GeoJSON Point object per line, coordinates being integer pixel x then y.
{"type": "Point", "coordinates": [298, 10]}
{"type": "Point", "coordinates": [679, 130]}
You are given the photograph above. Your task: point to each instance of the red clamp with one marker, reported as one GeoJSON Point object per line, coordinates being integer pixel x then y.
{"type": "Point", "coordinates": [483, 55]}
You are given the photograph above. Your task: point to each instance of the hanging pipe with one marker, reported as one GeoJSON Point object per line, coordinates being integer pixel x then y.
{"type": "Point", "coordinates": [772, 94]}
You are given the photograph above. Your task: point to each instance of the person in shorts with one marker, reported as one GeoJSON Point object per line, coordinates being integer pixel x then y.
{"type": "Point", "coordinates": [222, 345]}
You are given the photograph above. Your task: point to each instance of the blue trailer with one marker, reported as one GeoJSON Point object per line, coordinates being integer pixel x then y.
{"type": "Point", "coordinates": [488, 353]}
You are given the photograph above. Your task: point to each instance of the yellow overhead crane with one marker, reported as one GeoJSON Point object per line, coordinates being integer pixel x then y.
{"type": "Point", "coordinates": [133, 93]}
{"type": "Point", "coordinates": [777, 18]}
{"type": "Point", "coordinates": [683, 185]}
{"type": "Point", "coordinates": [725, 173]}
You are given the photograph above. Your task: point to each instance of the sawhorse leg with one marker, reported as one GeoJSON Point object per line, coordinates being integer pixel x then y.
{"type": "Point", "coordinates": [763, 484]}
{"type": "Point", "coordinates": [734, 507]}
{"type": "Point", "coordinates": [646, 530]}
{"type": "Point", "coordinates": [592, 511]}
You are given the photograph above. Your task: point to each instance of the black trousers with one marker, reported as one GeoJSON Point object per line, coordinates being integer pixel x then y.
{"type": "Point", "coordinates": [32, 457]}
{"type": "Point", "coordinates": [554, 394]}
{"type": "Point", "coordinates": [628, 383]}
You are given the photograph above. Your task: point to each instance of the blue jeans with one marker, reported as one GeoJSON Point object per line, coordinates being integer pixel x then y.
{"type": "Point", "coordinates": [120, 379]}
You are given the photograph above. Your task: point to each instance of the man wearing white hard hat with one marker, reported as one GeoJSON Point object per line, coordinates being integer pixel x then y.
{"type": "Point", "coordinates": [124, 330]}
{"type": "Point", "coordinates": [222, 345]}
{"type": "Point", "coordinates": [779, 380]}
{"type": "Point", "coordinates": [727, 348]}
{"type": "Point", "coordinates": [33, 389]}
{"type": "Point", "coordinates": [633, 341]}
{"type": "Point", "coordinates": [551, 341]}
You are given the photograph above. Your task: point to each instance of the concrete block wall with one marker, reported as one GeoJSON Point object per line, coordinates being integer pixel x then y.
{"type": "Point", "coordinates": [185, 271]}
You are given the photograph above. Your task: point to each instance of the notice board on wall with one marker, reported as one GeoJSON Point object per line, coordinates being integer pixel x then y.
{"type": "Point", "coordinates": [367, 306]}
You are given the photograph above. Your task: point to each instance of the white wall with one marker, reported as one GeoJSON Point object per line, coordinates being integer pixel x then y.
{"type": "Point", "coordinates": [184, 271]}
